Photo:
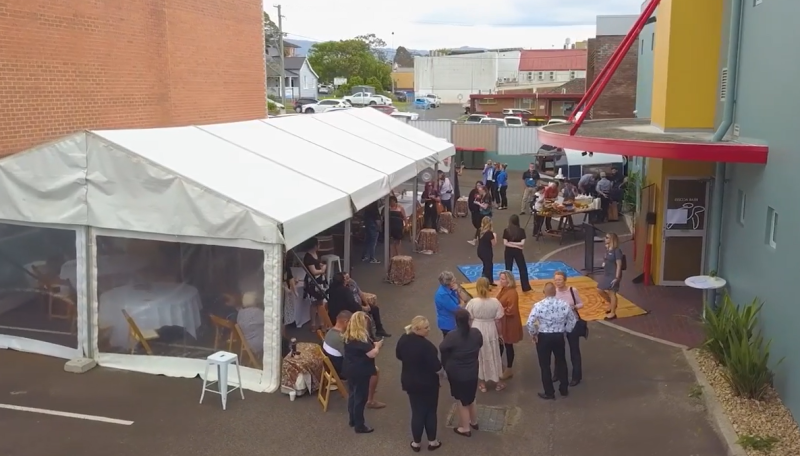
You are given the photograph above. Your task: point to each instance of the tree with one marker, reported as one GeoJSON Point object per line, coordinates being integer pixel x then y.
{"type": "Point", "coordinates": [376, 45]}
{"type": "Point", "coordinates": [375, 82]}
{"type": "Point", "coordinates": [271, 33]}
{"type": "Point", "coordinates": [403, 58]}
{"type": "Point", "coordinates": [349, 59]}
{"type": "Point", "coordinates": [441, 52]}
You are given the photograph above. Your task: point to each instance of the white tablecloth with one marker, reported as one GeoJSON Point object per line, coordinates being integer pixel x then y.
{"type": "Point", "coordinates": [297, 309]}
{"type": "Point", "coordinates": [407, 203]}
{"type": "Point", "coordinates": [162, 304]}
{"type": "Point", "coordinates": [108, 266]}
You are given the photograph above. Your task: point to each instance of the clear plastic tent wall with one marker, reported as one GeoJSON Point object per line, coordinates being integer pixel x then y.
{"type": "Point", "coordinates": [141, 221]}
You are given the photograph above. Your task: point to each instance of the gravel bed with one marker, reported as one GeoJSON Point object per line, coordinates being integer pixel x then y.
{"type": "Point", "coordinates": [769, 418]}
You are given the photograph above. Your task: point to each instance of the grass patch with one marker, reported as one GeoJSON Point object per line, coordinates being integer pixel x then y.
{"type": "Point", "coordinates": [765, 444]}
{"type": "Point", "coordinates": [696, 391]}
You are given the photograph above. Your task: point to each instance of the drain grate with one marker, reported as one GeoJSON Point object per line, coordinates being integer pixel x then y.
{"type": "Point", "coordinates": [490, 418]}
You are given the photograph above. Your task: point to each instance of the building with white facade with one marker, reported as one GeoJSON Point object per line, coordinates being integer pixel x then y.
{"type": "Point", "coordinates": [551, 67]}
{"type": "Point", "coordinates": [456, 76]}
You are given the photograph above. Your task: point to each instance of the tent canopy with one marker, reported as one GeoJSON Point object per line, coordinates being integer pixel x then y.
{"type": "Point", "coordinates": [271, 181]}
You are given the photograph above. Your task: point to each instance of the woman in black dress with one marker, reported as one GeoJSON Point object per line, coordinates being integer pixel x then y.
{"type": "Point", "coordinates": [420, 377]}
{"type": "Point", "coordinates": [359, 367]}
{"type": "Point", "coordinates": [315, 284]}
{"type": "Point", "coordinates": [430, 198]}
{"type": "Point", "coordinates": [514, 241]}
{"type": "Point", "coordinates": [474, 203]}
{"type": "Point", "coordinates": [460, 349]}
{"type": "Point", "coordinates": [397, 220]}
{"type": "Point", "coordinates": [486, 241]}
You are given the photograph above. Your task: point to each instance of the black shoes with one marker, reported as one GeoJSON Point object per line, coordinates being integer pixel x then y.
{"type": "Point", "coordinates": [564, 393]}
{"type": "Point", "coordinates": [547, 397]}
{"type": "Point", "coordinates": [382, 333]}
{"type": "Point", "coordinates": [574, 383]}
{"type": "Point", "coordinates": [364, 430]}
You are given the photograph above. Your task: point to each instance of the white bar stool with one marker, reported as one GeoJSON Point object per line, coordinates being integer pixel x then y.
{"type": "Point", "coordinates": [222, 360]}
{"type": "Point", "coordinates": [330, 260]}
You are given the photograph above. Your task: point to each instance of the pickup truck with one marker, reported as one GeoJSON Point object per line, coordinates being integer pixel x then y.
{"type": "Point", "coordinates": [364, 99]}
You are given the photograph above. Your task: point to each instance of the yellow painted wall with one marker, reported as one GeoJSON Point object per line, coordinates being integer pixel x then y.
{"type": "Point", "coordinates": [658, 171]}
{"type": "Point", "coordinates": [686, 64]}
{"type": "Point", "coordinates": [403, 80]}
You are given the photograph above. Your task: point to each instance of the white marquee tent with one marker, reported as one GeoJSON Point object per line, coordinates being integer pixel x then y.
{"type": "Point", "coordinates": [266, 185]}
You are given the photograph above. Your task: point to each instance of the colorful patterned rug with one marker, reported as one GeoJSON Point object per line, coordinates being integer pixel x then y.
{"type": "Point", "coordinates": [594, 308]}
{"type": "Point", "coordinates": [543, 270]}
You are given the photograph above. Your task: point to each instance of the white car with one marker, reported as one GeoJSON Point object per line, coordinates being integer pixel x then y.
{"type": "Point", "coordinates": [324, 90]}
{"type": "Point", "coordinates": [386, 101]}
{"type": "Point", "coordinates": [475, 118]}
{"type": "Point", "coordinates": [448, 120]}
{"type": "Point", "coordinates": [516, 112]}
{"type": "Point", "coordinates": [563, 121]}
{"type": "Point", "coordinates": [434, 99]}
{"type": "Point", "coordinates": [324, 106]}
{"type": "Point", "coordinates": [514, 121]}
{"type": "Point", "coordinates": [493, 121]}
{"type": "Point", "coordinates": [365, 99]}
{"type": "Point", "coordinates": [405, 115]}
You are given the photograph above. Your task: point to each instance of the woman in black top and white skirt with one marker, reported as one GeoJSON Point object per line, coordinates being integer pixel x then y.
{"type": "Point", "coordinates": [514, 241]}
{"type": "Point", "coordinates": [486, 242]}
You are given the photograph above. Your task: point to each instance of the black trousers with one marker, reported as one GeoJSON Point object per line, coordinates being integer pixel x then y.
{"type": "Point", "coordinates": [444, 332]}
{"type": "Point", "coordinates": [552, 345]}
{"type": "Point", "coordinates": [508, 349]}
{"type": "Point", "coordinates": [431, 218]}
{"type": "Point", "coordinates": [512, 256]}
{"type": "Point", "coordinates": [423, 414]}
{"type": "Point", "coordinates": [574, 341]}
{"type": "Point", "coordinates": [476, 222]}
{"type": "Point", "coordinates": [488, 265]}
{"type": "Point", "coordinates": [358, 387]}
{"type": "Point", "coordinates": [448, 205]}
{"type": "Point", "coordinates": [491, 187]}
{"type": "Point", "coordinates": [503, 199]}
{"type": "Point", "coordinates": [375, 313]}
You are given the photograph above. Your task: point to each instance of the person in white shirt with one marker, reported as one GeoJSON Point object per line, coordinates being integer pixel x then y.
{"type": "Point", "coordinates": [549, 320]}
{"type": "Point", "coordinates": [571, 297]}
{"type": "Point", "coordinates": [445, 192]}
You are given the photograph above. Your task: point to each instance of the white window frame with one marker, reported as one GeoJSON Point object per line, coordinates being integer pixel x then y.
{"type": "Point", "coordinates": [552, 75]}
{"type": "Point", "coordinates": [741, 206]}
{"type": "Point", "coordinates": [541, 75]}
{"type": "Point", "coordinates": [772, 223]}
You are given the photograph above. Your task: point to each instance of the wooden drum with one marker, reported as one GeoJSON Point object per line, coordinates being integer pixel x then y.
{"type": "Point", "coordinates": [428, 241]}
{"type": "Point", "coordinates": [447, 223]}
{"type": "Point", "coordinates": [401, 270]}
{"type": "Point", "coordinates": [462, 208]}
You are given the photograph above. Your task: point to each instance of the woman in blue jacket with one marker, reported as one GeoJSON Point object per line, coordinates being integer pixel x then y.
{"type": "Point", "coordinates": [447, 302]}
{"type": "Point", "coordinates": [502, 185]}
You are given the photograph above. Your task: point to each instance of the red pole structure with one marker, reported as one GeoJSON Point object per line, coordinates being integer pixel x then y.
{"type": "Point", "coordinates": [610, 68]}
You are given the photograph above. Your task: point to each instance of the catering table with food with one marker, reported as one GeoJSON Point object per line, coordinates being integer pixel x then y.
{"type": "Point", "coordinates": [151, 306]}
{"type": "Point", "coordinates": [564, 211]}
{"type": "Point", "coordinates": [301, 371]}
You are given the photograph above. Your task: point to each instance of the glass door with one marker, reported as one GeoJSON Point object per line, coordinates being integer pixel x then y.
{"type": "Point", "coordinates": [684, 229]}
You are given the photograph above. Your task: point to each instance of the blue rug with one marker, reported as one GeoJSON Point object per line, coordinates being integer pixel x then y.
{"type": "Point", "coordinates": [536, 271]}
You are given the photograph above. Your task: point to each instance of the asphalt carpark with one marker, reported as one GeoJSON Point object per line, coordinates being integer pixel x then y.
{"type": "Point", "coordinates": [634, 399]}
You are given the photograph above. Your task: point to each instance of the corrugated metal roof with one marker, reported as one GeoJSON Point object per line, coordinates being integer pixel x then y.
{"type": "Point", "coordinates": [553, 60]}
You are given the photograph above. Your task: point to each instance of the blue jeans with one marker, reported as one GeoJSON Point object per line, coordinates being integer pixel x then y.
{"type": "Point", "coordinates": [371, 242]}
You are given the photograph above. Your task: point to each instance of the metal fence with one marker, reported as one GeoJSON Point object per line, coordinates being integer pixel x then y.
{"type": "Point", "coordinates": [492, 138]}
{"type": "Point", "coordinates": [439, 128]}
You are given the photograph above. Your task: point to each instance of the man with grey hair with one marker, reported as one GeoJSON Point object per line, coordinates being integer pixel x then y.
{"type": "Point", "coordinates": [447, 302]}
{"type": "Point", "coordinates": [549, 320]}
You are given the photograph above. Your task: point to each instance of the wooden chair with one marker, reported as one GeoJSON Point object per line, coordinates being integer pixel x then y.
{"type": "Point", "coordinates": [321, 335]}
{"type": "Point", "coordinates": [322, 312]}
{"type": "Point", "coordinates": [251, 360]}
{"type": "Point", "coordinates": [221, 328]}
{"type": "Point", "coordinates": [52, 287]}
{"type": "Point", "coordinates": [329, 379]}
{"type": "Point", "coordinates": [139, 336]}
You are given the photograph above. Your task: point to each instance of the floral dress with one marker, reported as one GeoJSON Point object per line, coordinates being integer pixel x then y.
{"type": "Point", "coordinates": [485, 312]}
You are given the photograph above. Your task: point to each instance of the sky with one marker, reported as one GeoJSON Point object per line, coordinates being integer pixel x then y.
{"type": "Point", "coordinates": [427, 25]}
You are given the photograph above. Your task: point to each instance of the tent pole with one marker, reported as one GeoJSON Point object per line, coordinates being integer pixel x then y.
{"type": "Point", "coordinates": [347, 242]}
{"type": "Point", "coordinates": [386, 260]}
{"type": "Point", "coordinates": [414, 216]}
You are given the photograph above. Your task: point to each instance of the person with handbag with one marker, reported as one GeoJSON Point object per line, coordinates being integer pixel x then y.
{"type": "Point", "coordinates": [571, 297]}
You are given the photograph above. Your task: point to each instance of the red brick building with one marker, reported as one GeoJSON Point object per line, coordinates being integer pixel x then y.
{"type": "Point", "coordinates": [618, 100]}
{"type": "Point", "coordinates": [70, 65]}
{"type": "Point", "coordinates": [544, 103]}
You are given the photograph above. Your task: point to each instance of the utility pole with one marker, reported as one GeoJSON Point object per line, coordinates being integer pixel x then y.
{"type": "Point", "coordinates": [282, 85]}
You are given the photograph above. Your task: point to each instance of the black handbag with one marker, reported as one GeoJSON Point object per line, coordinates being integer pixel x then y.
{"type": "Point", "coordinates": [581, 328]}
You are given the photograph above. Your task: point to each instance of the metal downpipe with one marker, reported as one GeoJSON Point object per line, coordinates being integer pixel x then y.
{"type": "Point", "coordinates": [717, 200]}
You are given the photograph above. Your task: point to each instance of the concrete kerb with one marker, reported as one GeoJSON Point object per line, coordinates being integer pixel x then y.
{"type": "Point", "coordinates": [719, 419]}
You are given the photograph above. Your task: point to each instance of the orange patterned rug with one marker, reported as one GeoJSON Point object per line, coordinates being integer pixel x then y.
{"type": "Point", "coordinates": [594, 308]}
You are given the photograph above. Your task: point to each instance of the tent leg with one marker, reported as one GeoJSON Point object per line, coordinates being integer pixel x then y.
{"type": "Point", "coordinates": [347, 243]}
{"type": "Point", "coordinates": [414, 216]}
{"type": "Point", "coordinates": [386, 260]}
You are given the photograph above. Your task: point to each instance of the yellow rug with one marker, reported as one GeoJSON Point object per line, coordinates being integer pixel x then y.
{"type": "Point", "coordinates": [594, 308]}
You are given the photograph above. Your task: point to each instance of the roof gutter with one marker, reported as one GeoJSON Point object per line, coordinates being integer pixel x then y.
{"type": "Point", "coordinates": [729, 107]}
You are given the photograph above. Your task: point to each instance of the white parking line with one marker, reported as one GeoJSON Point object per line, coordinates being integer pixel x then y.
{"type": "Point", "coordinates": [79, 416]}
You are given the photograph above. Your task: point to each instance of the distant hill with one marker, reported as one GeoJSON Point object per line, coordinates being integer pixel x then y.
{"type": "Point", "coordinates": [305, 45]}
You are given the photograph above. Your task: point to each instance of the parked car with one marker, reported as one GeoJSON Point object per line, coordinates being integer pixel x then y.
{"type": "Point", "coordinates": [366, 99]}
{"type": "Point", "coordinates": [422, 103]}
{"type": "Point", "coordinates": [448, 120]}
{"type": "Point", "coordinates": [401, 96]}
{"type": "Point", "coordinates": [323, 89]}
{"type": "Point", "coordinates": [514, 121]}
{"type": "Point", "coordinates": [324, 106]}
{"type": "Point", "coordinates": [475, 118]}
{"type": "Point", "coordinates": [300, 102]}
{"type": "Point", "coordinates": [386, 109]}
{"type": "Point", "coordinates": [493, 121]}
{"type": "Point", "coordinates": [384, 100]}
{"type": "Point", "coordinates": [405, 115]}
{"type": "Point", "coordinates": [517, 112]}
{"type": "Point", "coordinates": [435, 100]}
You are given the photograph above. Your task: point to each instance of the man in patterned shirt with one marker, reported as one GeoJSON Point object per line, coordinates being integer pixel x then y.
{"type": "Point", "coordinates": [549, 320]}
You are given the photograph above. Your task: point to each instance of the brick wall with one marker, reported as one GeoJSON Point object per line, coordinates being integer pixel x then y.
{"type": "Point", "coordinates": [69, 65]}
{"type": "Point", "coordinates": [618, 100]}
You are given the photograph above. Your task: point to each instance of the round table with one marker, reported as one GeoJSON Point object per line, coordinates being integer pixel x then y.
{"type": "Point", "coordinates": [151, 306]}
{"type": "Point", "coordinates": [108, 266]}
{"type": "Point", "coordinates": [705, 282]}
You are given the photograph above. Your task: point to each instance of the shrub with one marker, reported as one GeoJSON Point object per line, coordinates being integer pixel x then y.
{"type": "Point", "coordinates": [726, 320]}
{"type": "Point", "coordinates": [747, 364]}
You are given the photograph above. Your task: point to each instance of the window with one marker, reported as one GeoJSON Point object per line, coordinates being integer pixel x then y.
{"type": "Point", "coordinates": [571, 75]}
{"type": "Point", "coordinates": [541, 75]}
{"type": "Point", "coordinates": [486, 101]}
{"type": "Point", "coordinates": [772, 228]}
{"type": "Point", "coordinates": [530, 76]}
{"type": "Point", "coordinates": [741, 206]}
{"type": "Point", "coordinates": [552, 75]}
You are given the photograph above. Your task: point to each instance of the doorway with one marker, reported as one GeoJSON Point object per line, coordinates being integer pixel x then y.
{"type": "Point", "coordinates": [684, 229]}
